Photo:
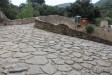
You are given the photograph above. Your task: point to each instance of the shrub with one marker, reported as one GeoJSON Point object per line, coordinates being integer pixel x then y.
{"type": "Point", "coordinates": [89, 29]}
{"type": "Point", "coordinates": [97, 21]}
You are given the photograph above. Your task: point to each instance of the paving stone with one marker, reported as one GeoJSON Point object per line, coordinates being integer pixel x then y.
{"type": "Point", "coordinates": [29, 49]}
{"type": "Point", "coordinates": [2, 52]}
{"type": "Point", "coordinates": [20, 67]}
{"type": "Point", "coordinates": [20, 54]}
{"type": "Point", "coordinates": [49, 69]}
{"type": "Point", "coordinates": [77, 66]}
{"type": "Point", "coordinates": [58, 73]}
{"type": "Point", "coordinates": [78, 60]}
{"type": "Point", "coordinates": [64, 68]}
{"type": "Point", "coordinates": [103, 63]}
{"type": "Point", "coordinates": [99, 69]}
{"type": "Point", "coordinates": [37, 60]}
{"type": "Point", "coordinates": [50, 50]}
{"type": "Point", "coordinates": [86, 65]}
{"type": "Point", "coordinates": [58, 61]}
{"type": "Point", "coordinates": [16, 74]}
{"type": "Point", "coordinates": [6, 55]}
{"type": "Point", "coordinates": [9, 43]}
{"type": "Point", "coordinates": [77, 54]}
{"type": "Point", "coordinates": [39, 53]}
{"type": "Point", "coordinates": [74, 73]}
{"type": "Point", "coordinates": [87, 58]}
{"type": "Point", "coordinates": [34, 70]}
{"type": "Point", "coordinates": [105, 74]}
{"type": "Point", "coordinates": [23, 45]}
{"type": "Point", "coordinates": [69, 62]}
{"type": "Point", "coordinates": [52, 56]}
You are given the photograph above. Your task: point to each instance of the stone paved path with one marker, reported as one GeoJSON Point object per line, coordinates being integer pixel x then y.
{"type": "Point", "coordinates": [25, 50]}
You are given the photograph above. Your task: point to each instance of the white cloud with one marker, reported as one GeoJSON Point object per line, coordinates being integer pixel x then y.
{"type": "Point", "coordinates": [49, 2]}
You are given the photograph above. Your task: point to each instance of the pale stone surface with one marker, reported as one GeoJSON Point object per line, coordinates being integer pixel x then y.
{"type": "Point", "coordinates": [34, 70]}
{"type": "Point", "coordinates": [20, 54]}
{"type": "Point", "coordinates": [49, 69]}
{"type": "Point", "coordinates": [25, 50]}
{"type": "Point", "coordinates": [77, 66]}
{"type": "Point", "coordinates": [37, 60]}
{"type": "Point", "coordinates": [63, 68]}
{"type": "Point", "coordinates": [58, 61]}
{"type": "Point", "coordinates": [18, 68]}
{"type": "Point", "coordinates": [74, 73]}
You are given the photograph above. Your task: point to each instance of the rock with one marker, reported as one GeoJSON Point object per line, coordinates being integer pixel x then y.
{"type": "Point", "coordinates": [34, 70]}
{"type": "Point", "coordinates": [74, 73]}
{"type": "Point", "coordinates": [69, 62]}
{"type": "Point", "coordinates": [52, 56]}
{"type": "Point", "coordinates": [64, 68]}
{"type": "Point", "coordinates": [2, 52]}
{"type": "Point", "coordinates": [37, 60]}
{"type": "Point", "coordinates": [78, 60]}
{"type": "Point", "coordinates": [20, 54]}
{"type": "Point", "coordinates": [23, 45]}
{"type": "Point", "coordinates": [103, 63]}
{"type": "Point", "coordinates": [87, 58]}
{"type": "Point", "coordinates": [58, 73]}
{"type": "Point", "coordinates": [6, 55]}
{"type": "Point", "coordinates": [99, 69]}
{"type": "Point", "coordinates": [49, 69]}
{"type": "Point", "coordinates": [86, 65]}
{"type": "Point", "coordinates": [39, 53]}
{"type": "Point", "coordinates": [77, 66]}
{"type": "Point", "coordinates": [16, 73]}
{"type": "Point", "coordinates": [105, 74]}
{"type": "Point", "coordinates": [20, 67]}
{"type": "Point", "coordinates": [58, 61]}
{"type": "Point", "coordinates": [29, 49]}
{"type": "Point", "coordinates": [78, 55]}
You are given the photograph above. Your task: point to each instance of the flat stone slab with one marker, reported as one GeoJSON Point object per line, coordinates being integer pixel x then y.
{"type": "Point", "coordinates": [37, 60]}
{"type": "Point", "coordinates": [25, 50]}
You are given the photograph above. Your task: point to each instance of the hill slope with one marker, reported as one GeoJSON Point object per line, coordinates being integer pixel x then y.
{"type": "Point", "coordinates": [103, 3]}
{"type": "Point", "coordinates": [64, 5]}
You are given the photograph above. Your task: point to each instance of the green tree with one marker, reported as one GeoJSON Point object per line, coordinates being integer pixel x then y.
{"type": "Point", "coordinates": [34, 2]}
{"type": "Point", "coordinates": [84, 8]}
{"type": "Point", "coordinates": [27, 11]}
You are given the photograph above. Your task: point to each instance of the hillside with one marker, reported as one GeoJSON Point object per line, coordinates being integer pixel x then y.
{"type": "Point", "coordinates": [103, 3]}
{"type": "Point", "coordinates": [64, 5]}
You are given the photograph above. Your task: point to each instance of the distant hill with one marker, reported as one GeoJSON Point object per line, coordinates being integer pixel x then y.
{"type": "Point", "coordinates": [64, 5]}
{"type": "Point", "coordinates": [103, 2]}
{"type": "Point", "coordinates": [105, 7]}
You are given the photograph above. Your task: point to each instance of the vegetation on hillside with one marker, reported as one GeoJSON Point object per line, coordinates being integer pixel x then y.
{"type": "Point", "coordinates": [83, 8]}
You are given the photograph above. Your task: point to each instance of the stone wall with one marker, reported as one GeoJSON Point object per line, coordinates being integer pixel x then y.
{"type": "Point", "coordinates": [56, 20]}
{"type": "Point", "coordinates": [65, 30]}
{"type": "Point", "coordinates": [2, 17]}
{"type": "Point", "coordinates": [19, 21]}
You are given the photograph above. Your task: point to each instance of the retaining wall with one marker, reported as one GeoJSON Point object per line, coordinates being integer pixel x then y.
{"type": "Point", "coordinates": [65, 30]}
{"type": "Point", "coordinates": [19, 21]}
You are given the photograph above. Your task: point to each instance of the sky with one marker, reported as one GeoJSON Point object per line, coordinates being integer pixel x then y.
{"type": "Point", "coordinates": [48, 2]}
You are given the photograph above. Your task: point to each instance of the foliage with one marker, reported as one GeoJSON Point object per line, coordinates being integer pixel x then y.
{"type": "Point", "coordinates": [37, 1]}
{"type": "Point", "coordinates": [109, 20]}
{"type": "Point", "coordinates": [84, 8]}
{"type": "Point", "coordinates": [105, 8]}
{"type": "Point", "coordinates": [89, 29]}
{"type": "Point", "coordinates": [97, 21]}
{"type": "Point", "coordinates": [26, 12]}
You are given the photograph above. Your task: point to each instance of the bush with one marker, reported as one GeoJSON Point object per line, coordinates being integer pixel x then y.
{"type": "Point", "coordinates": [97, 21]}
{"type": "Point", "coordinates": [89, 29]}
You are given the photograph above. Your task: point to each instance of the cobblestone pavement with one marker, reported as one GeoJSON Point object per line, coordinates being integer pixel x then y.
{"type": "Point", "coordinates": [25, 50]}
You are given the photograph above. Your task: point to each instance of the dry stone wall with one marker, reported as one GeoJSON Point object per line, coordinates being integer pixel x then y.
{"type": "Point", "coordinates": [66, 30]}
{"type": "Point", "coordinates": [20, 21]}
